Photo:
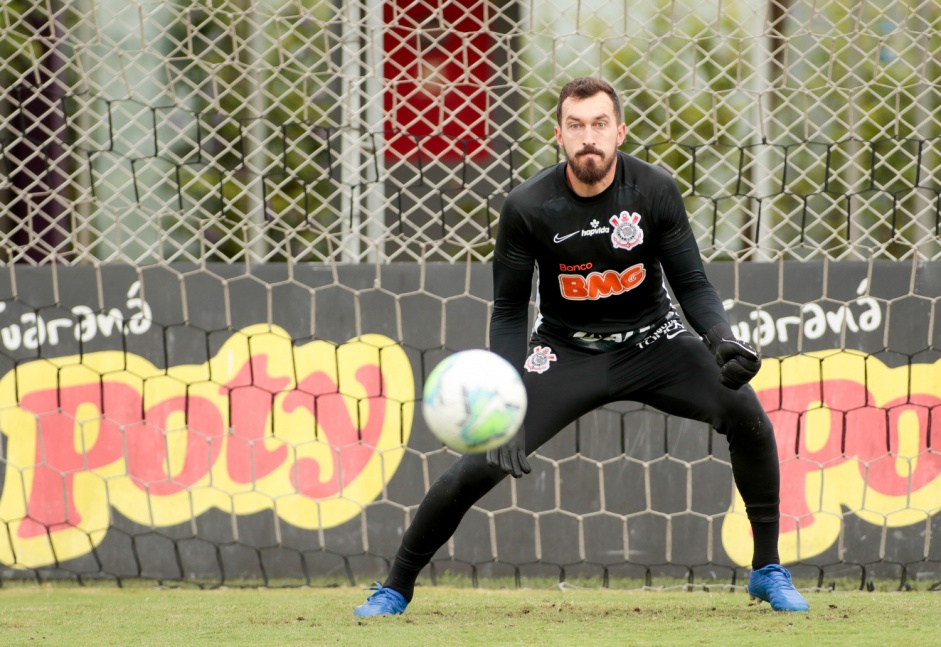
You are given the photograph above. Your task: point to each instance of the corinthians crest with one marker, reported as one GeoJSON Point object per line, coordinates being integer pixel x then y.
{"type": "Point", "coordinates": [539, 360]}
{"type": "Point", "coordinates": [627, 233]}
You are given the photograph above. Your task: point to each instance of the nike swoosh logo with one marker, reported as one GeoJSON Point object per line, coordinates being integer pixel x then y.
{"type": "Point", "coordinates": [675, 333]}
{"type": "Point", "coordinates": [559, 239]}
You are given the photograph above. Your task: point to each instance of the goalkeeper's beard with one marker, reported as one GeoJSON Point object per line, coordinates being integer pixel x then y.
{"type": "Point", "coordinates": [585, 169]}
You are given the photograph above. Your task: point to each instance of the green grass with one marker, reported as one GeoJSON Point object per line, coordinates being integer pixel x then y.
{"type": "Point", "coordinates": [56, 614]}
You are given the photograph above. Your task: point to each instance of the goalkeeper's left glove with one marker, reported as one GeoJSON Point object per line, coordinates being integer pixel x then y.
{"type": "Point", "coordinates": [738, 360]}
{"type": "Point", "coordinates": [511, 456]}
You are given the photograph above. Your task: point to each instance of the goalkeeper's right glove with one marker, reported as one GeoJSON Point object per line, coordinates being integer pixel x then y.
{"type": "Point", "coordinates": [511, 456]}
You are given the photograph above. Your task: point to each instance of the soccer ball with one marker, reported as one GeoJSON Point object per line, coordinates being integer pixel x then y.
{"type": "Point", "coordinates": [474, 401]}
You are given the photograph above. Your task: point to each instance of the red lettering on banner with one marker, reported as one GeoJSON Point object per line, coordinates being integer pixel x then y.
{"type": "Point", "coordinates": [122, 433]}
{"type": "Point", "coordinates": [352, 446]}
{"type": "Point", "coordinates": [164, 445]}
{"type": "Point", "coordinates": [599, 285]}
{"type": "Point", "coordinates": [855, 430]}
{"type": "Point", "coordinates": [878, 444]}
{"type": "Point", "coordinates": [251, 398]}
{"type": "Point", "coordinates": [147, 445]}
{"type": "Point", "coordinates": [51, 504]}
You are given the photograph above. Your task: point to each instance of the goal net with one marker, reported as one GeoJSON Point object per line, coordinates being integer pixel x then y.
{"type": "Point", "coordinates": [237, 234]}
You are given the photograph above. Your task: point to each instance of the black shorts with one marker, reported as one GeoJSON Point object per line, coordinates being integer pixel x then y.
{"type": "Point", "coordinates": [670, 369]}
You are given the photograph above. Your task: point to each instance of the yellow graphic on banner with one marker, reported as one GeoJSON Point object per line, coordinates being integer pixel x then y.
{"type": "Point", "coordinates": [854, 436]}
{"type": "Point", "coordinates": [312, 432]}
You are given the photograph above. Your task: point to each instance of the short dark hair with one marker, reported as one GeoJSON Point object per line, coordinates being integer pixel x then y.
{"type": "Point", "coordinates": [584, 88]}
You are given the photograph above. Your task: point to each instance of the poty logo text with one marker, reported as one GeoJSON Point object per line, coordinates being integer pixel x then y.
{"type": "Point", "coordinates": [312, 432]}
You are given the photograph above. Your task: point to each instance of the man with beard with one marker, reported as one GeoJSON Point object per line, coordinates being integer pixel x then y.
{"type": "Point", "coordinates": [603, 230]}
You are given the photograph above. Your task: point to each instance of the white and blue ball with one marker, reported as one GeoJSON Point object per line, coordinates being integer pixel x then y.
{"type": "Point", "coordinates": [474, 401]}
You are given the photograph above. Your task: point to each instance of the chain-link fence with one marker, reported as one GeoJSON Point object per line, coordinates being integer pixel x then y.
{"type": "Point", "coordinates": [156, 131]}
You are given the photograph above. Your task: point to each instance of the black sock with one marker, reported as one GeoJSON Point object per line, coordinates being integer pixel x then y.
{"type": "Point", "coordinates": [766, 544]}
{"type": "Point", "coordinates": [405, 569]}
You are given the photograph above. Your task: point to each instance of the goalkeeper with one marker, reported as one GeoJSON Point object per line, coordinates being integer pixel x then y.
{"type": "Point", "coordinates": [602, 230]}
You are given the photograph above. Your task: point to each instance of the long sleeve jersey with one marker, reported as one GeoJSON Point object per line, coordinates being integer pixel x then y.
{"type": "Point", "coordinates": [600, 261]}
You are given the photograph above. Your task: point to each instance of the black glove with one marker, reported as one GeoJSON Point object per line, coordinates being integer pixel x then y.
{"type": "Point", "coordinates": [738, 360]}
{"type": "Point", "coordinates": [511, 456]}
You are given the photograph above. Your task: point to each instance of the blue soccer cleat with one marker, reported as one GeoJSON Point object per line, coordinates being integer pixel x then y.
{"type": "Point", "coordinates": [384, 602]}
{"type": "Point", "coordinates": [772, 583]}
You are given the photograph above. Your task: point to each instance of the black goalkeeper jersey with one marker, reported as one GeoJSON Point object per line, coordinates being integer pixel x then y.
{"type": "Point", "coordinates": [600, 261]}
